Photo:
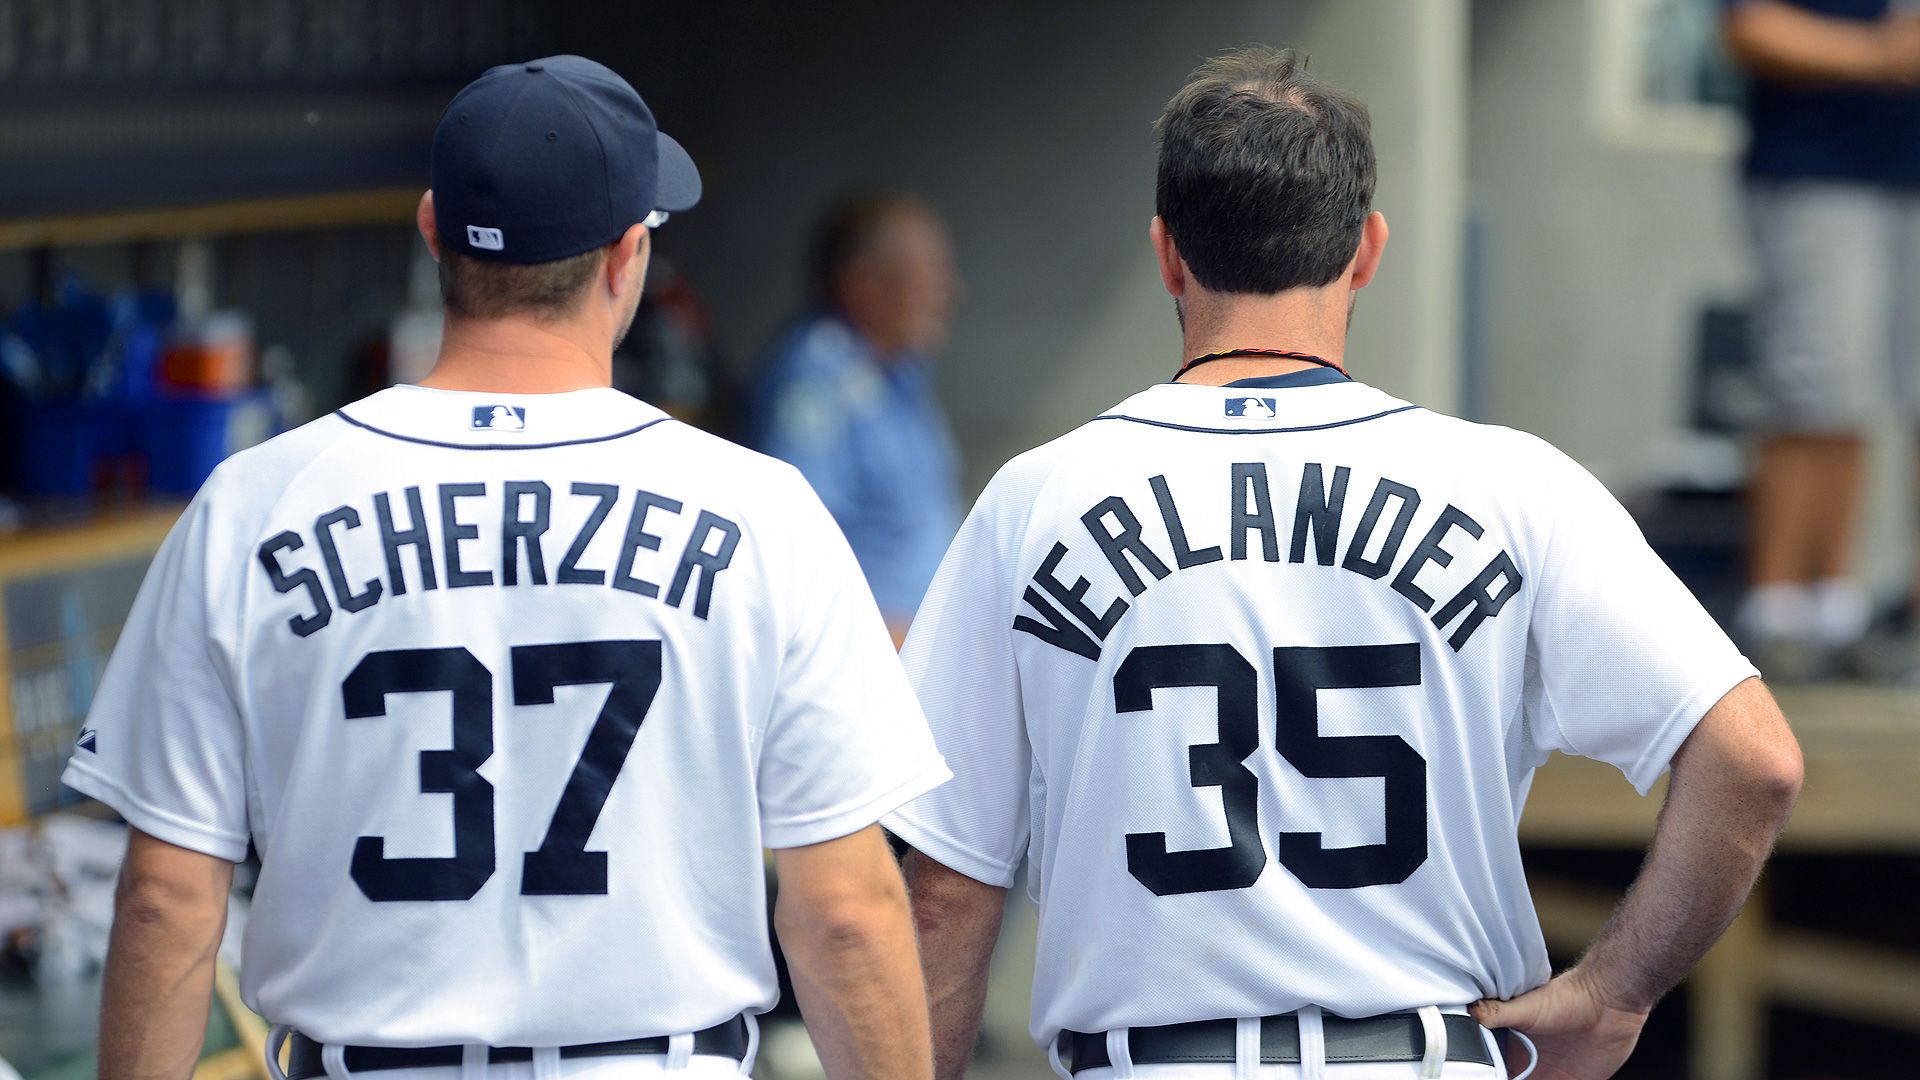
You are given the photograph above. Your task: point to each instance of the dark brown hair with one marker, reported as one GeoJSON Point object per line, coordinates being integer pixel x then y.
{"type": "Point", "coordinates": [1266, 173]}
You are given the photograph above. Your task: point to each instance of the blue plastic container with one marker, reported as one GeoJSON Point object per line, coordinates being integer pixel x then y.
{"type": "Point", "coordinates": [58, 441]}
{"type": "Point", "coordinates": [185, 438]}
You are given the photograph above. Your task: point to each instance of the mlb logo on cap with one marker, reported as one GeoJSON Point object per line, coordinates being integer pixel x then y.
{"type": "Point", "coordinates": [1259, 408]}
{"type": "Point", "coordinates": [486, 239]}
{"type": "Point", "coordinates": [499, 418]}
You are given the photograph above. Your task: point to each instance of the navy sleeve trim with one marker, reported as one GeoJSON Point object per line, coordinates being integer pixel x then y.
{"type": "Point", "coordinates": [1254, 431]}
{"type": "Point", "coordinates": [498, 446]}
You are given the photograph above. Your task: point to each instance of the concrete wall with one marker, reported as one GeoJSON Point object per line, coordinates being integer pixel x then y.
{"type": "Point", "coordinates": [1597, 254]}
{"type": "Point", "coordinates": [1408, 60]}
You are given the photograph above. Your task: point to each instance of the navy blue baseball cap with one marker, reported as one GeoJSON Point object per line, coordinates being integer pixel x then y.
{"type": "Point", "coordinates": [551, 158]}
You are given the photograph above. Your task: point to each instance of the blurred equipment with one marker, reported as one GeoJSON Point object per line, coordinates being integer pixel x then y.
{"type": "Point", "coordinates": [669, 358]}
{"type": "Point", "coordinates": [64, 593]}
{"type": "Point", "coordinates": [56, 894]}
{"type": "Point", "coordinates": [141, 390]}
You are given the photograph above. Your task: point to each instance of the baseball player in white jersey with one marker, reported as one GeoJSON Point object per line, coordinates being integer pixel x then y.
{"type": "Point", "coordinates": [1254, 670]}
{"type": "Point", "coordinates": [509, 678]}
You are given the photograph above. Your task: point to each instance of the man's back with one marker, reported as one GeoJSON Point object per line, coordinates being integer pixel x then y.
{"type": "Point", "coordinates": [1284, 654]}
{"type": "Point", "coordinates": [510, 692]}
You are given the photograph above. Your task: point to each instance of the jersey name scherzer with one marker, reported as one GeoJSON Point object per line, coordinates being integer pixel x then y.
{"type": "Point", "coordinates": [1257, 678]}
{"type": "Point", "coordinates": [509, 693]}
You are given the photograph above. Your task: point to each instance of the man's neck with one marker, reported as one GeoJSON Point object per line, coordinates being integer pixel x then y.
{"type": "Point", "coordinates": [1313, 322]}
{"type": "Point", "coordinates": [520, 356]}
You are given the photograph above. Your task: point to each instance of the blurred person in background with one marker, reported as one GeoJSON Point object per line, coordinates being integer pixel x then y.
{"type": "Point", "coordinates": [1832, 175]}
{"type": "Point", "coordinates": [847, 396]}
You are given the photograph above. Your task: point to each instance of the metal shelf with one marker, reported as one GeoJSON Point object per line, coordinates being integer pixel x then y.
{"type": "Point", "coordinates": [379, 206]}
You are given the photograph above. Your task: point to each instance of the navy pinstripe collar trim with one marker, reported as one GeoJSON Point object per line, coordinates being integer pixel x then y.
{"type": "Point", "coordinates": [1314, 376]}
{"type": "Point", "coordinates": [1250, 406]}
{"type": "Point", "coordinates": [463, 420]}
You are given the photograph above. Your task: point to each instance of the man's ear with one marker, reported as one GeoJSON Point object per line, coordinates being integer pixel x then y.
{"type": "Point", "coordinates": [627, 260]}
{"type": "Point", "coordinates": [1373, 244]}
{"type": "Point", "coordinates": [423, 220]}
{"type": "Point", "coordinates": [1173, 269]}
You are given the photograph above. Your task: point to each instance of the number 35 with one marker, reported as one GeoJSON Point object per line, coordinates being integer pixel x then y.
{"type": "Point", "coordinates": [1299, 675]}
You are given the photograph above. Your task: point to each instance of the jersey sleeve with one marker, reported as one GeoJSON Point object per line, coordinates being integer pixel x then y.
{"type": "Point", "coordinates": [845, 742]}
{"type": "Point", "coordinates": [960, 657]}
{"type": "Point", "coordinates": [163, 743]}
{"type": "Point", "coordinates": [1622, 660]}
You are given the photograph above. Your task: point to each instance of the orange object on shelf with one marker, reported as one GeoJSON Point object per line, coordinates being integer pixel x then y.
{"type": "Point", "coordinates": [216, 357]}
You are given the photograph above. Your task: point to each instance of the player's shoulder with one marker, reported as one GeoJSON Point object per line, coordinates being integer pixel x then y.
{"type": "Point", "coordinates": [1510, 450]}
{"type": "Point", "coordinates": [258, 474]}
{"type": "Point", "coordinates": [1511, 465]}
{"type": "Point", "coordinates": [723, 459]}
{"type": "Point", "coordinates": [243, 490]}
{"type": "Point", "coordinates": [1511, 447]}
{"type": "Point", "coordinates": [1019, 483]}
{"type": "Point", "coordinates": [741, 482]}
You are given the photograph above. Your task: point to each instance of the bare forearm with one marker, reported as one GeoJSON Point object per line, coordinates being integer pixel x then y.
{"type": "Point", "coordinates": [1779, 41]}
{"type": "Point", "coordinates": [959, 921]}
{"type": "Point", "coordinates": [859, 987]}
{"type": "Point", "coordinates": [169, 913]}
{"type": "Point", "coordinates": [158, 988]}
{"type": "Point", "coordinates": [1714, 837]}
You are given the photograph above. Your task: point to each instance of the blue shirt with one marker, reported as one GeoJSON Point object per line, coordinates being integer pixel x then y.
{"type": "Point", "coordinates": [1851, 133]}
{"type": "Point", "coordinates": [871, 439]}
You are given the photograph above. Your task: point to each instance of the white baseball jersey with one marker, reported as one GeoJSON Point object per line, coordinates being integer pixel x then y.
{"type": "Point", "coordinates": [509, 692]}
{"type": "Point", "coordinates": [1258, 676]}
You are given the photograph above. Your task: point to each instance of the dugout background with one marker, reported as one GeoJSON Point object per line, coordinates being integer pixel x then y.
{"type": "Point", "coordinates": [1555, 240]}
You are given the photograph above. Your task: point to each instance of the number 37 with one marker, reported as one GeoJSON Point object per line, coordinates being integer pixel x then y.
{"type": "Point", "coordinates": [1299, 675]}
{"type": "Point", "coordinates": [562, 866]}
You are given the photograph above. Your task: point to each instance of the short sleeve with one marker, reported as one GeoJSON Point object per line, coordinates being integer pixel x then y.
{"type": "Point", "coordinates": [1622, 660]}
{"type": "Point", "coordinates": [163, 744]}
{"type": "Point", "coordinates": [959, 655]}
{"type": "Point", "coordinates": [845, 742]}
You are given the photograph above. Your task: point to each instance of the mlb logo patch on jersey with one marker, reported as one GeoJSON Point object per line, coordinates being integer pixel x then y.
{"type": "Point", "coordinates": [499, 418]}
{"type": "Point", "coordinates": [1252, 408]}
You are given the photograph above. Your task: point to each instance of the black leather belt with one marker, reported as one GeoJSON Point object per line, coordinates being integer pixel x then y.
{"type": "Point", "coordinates": [1393, 1037]}
{"type": "Point", "coordinates": [727, 1039]}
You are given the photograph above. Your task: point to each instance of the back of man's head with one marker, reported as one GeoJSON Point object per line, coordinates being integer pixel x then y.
{"type": "Point", "coordinates": [1266, 173]}
{"type": "Point", "coordinates": [538, 168]}
{"type": "Point", "coordinates": [544, 292]}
